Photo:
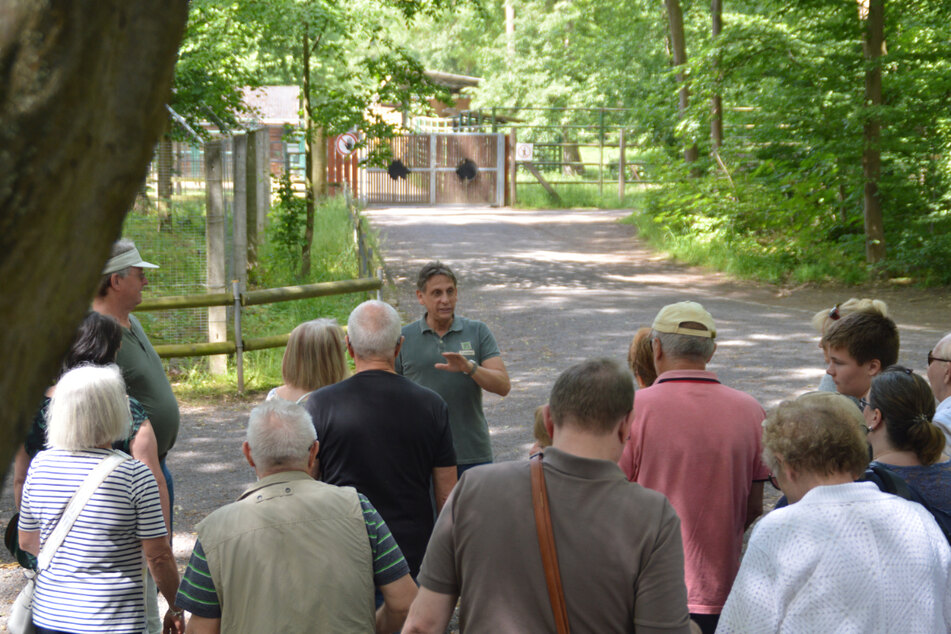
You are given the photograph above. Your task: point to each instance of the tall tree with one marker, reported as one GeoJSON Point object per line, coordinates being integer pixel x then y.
{"type": "Point", "coordinates": [83, 101]}
{"type": "Point", "coordinates": [874, 46]}
{"type": "Point", "coordinates": [716, 101]}
{"type": "Point", "coordinates": [678, 45]}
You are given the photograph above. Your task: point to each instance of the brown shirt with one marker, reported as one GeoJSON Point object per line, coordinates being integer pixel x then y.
{"type": "Point", "coordinates": [619, 549]}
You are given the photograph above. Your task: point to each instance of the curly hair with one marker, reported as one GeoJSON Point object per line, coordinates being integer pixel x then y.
{"type": "Point", "coordinates": [819, 432]}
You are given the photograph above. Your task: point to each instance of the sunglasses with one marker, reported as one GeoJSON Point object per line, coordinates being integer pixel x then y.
{"type": "Point", "coordinates": [932, 358]}
{"type": "Point", "coordinates": [834, 313]}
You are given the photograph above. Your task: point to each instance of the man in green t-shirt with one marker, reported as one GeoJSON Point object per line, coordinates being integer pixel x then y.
{"type": "Point", "coordinates": [455, 357]}
{"type": "Point", "coordinates": [120, 291]}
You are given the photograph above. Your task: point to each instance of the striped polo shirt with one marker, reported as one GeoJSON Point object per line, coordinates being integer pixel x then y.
{"type": "Point", "coordinates": [94, 581]}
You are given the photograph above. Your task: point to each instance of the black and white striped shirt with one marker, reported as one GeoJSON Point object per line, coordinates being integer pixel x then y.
{"type": "Point", "coordinates": [94, 581]}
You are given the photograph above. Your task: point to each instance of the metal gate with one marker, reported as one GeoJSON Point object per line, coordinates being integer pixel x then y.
{"type": "Point", "coordinates": [439, 169]}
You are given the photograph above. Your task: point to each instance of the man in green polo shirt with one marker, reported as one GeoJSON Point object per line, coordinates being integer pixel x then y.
{"type": "Point", "coordinates": [455, 357]}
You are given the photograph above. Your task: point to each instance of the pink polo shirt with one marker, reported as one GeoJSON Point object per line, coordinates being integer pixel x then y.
{"type": "Point", "coordinates": [699, 443]}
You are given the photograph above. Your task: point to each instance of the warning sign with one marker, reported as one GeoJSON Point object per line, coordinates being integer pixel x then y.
{"type": "Point", "coordinates": [524, 151]}
{"type": "Point", "coordinates": [346, 142]}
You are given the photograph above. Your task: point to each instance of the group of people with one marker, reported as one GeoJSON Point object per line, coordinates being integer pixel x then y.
{"type": "Point", "coordinates": [377, 508]}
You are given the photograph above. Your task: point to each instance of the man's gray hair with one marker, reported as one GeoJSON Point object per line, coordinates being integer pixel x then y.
{"type": "Point", "coordinates": [280, 434]}
{"type": "Point", "coordinates": [120, 246]}
{"type": "Point", "coordinates": [89, 409]}
{"type": "Point", "coordinates": [685, 346]}
{"type": "Point", "coordinates": [374, 330]}
{"type": "Point", "coordinates": [593, 395]}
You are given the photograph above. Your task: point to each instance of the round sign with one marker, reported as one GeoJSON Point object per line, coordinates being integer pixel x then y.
{"type": "Point", "coordinates": [345, 143]}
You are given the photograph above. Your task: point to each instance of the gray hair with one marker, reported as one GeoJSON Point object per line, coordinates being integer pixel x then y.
{"type": "Point", "coordinates": [593, 395]}
{"type": "Point", "coordinates": [119, 247]}
{"type": "Point", "coordinates": [89, 409]}
{"type": "Point", "coordinates": [685, 346]}
{"type": "Point", "coordinates": [432, 269]}
{"type": "Point", "coordinates": [280, 434]}
{"type": "Point", "coordinates": [374, 330]}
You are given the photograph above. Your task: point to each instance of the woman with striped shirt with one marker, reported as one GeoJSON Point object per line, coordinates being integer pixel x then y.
{"type": "Point", "coordinates": [94, 581]}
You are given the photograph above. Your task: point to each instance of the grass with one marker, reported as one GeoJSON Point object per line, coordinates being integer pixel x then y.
{"type": "Point", "coordinates": [180, 252]}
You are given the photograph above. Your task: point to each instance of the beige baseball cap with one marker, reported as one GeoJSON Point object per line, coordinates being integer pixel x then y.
{"type": "Point", "coordinates": [672, 315]}
{"type": "Point", "coordinates": [125, 260]}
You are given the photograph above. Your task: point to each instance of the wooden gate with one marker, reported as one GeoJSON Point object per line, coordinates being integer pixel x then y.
{"type": "Point", "coordinates": [439, 169]}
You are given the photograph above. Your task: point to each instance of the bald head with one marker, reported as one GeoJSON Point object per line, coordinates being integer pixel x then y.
{"type": "Point", "coordinates": [939, 370]}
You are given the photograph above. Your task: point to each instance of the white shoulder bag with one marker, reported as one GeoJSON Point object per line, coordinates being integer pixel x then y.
{"type": "Point", "coordinates": [21, 615]}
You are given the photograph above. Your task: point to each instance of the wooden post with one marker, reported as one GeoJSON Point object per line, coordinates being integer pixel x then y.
{"type": "Point", "coordinates": [621, 167]}
{"type": "Point", "coordinates": [240, 212]}
{"type": "Point", "coordinates": [238, 337]}
{"type": "Point", "coordinates": [215, 249]}
{"type": "Point", "coordinates": [513, 138]}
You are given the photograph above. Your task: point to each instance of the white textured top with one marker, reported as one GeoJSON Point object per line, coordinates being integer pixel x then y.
{"type": "Point", "coordinates": [845, 558]}
{"type": "Point", "coordinates": [94, 581]}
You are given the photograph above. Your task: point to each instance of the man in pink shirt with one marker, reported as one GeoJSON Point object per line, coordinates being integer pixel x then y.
{"type": "Point", "coordinates": [699, 443]}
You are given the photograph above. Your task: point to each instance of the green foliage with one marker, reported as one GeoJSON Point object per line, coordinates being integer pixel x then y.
{"type": "Point", "coordinates": [288, 215]}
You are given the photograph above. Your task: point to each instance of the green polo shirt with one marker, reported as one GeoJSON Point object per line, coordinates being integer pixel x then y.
{"type": "Point", "coordinates": [423, 349]}
{"type": "Point", "coordinates": [145, 380]}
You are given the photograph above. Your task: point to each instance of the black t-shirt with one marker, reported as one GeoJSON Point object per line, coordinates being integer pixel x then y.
{"type": "Point", "coordinates": [383, 435]}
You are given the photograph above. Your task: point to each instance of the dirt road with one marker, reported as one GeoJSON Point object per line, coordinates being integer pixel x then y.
{"type": "Point", "coordinates": [555, 287]}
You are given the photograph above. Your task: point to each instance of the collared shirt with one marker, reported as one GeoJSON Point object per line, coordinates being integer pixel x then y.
{"type": "Point", "coordinates": [422, 349]}
{"type": "Point", "coordinates": [942, 418]}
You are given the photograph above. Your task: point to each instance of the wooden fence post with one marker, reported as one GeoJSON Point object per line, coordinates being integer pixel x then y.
{"type": "Point", "coordinates": [215, 250]}
{"type": "Point", "coordinates": [512, 167]}
{"type": "Point", "coordinates": [621, 166]}
{"type": "Point", "coordinates": [240, 212]}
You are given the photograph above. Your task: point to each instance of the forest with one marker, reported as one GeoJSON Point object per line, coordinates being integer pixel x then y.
{"type": "Point", "coordinates": [790, 141]}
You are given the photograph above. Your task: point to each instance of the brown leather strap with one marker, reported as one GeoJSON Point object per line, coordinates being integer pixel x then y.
{"type": "Point", "coordinates": [546, 544]}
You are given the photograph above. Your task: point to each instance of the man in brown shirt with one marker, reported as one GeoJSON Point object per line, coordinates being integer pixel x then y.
{"type": "Point", "coordinates": [619, 546]}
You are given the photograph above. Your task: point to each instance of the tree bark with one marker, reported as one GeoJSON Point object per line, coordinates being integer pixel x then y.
{"type": "Point", "coordinates": [82, 103]}
{"type": "Point", "coordinates": [872, 155]}
{"type": "Point", "coordinates": [716, 103]}
{"type": "Point", "coordinates": [675, 19]}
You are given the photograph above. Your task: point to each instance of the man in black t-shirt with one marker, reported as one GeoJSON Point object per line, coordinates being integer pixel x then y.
{"type": "Point", "coordinates": [384, 435]}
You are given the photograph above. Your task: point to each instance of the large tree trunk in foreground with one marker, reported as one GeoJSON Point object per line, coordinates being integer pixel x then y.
{"type": "Point", "coordinates": [83, 87]}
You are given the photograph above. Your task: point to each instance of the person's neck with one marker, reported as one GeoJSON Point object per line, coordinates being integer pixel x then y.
{"type": "Point", "coordinates": [666, 365]}
{"type": "Point", "coordinates": [362, 365]}
{"type": "Point", "coordinates": [888, 455]}
{"type": "Point", "coordinates": [105, 306]}
{"type": "Point", "coordinates": [439, 327]}
{"type": "Point", "coordinates": [585, 445]}
{"type": "Point", "coordinates": [283, 469]}
{"type": "Point", "coordinates": [290, 392]}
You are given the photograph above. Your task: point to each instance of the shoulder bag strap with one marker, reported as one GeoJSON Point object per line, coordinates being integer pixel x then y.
{"type": "Point", "coordinates": [546, 544]}
{"type": "Point", "coordinates": [76, 504]}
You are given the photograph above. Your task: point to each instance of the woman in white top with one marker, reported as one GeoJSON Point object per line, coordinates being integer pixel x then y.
{"type": "Point", "coordinates": [94, 581]}
{"type": "Point", "coordinates": [315, 356]}
{"type": "Point", "coordinates": [843, 556]}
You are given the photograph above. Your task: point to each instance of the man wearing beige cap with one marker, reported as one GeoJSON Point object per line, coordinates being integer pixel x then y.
{"type": "Point", "coordinates": [120, 291]}
{"type": "Point", "coordinates": [699, 443]}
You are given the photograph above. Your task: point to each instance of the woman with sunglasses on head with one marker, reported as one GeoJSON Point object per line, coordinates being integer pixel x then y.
{"type": "Point", "coordinates": [826, 317]}
{"type": "Point", "coordinates": [899, 414]}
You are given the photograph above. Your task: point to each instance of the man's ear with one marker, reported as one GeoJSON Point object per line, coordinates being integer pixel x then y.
{"type": "Point", "coordinates": [657, 350]}
{"type": "Point", "coordinates": [349, 347]}
{"type": "Point", "coordinates": [399, 346]}
{"type": "Point", "coordinates": [419, 297]}
{"type": "Point", "coordinates": [549, 423]}
{"type": "Point", "coordinates": [246, 450]}
{"type": "Point", "coordinates": [712, 352]}
{"type": "Point", "coordinates": [114, 281]}
{"type": "Point", "coordinates": [312, 457]}
{"type": "Point", "coordinates": [874, 367]}
{"type": "Point", "coordinates": [624, 427]}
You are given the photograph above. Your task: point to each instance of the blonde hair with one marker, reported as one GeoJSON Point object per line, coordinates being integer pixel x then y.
{"type": "Point", "coordinates": [822, 319]}
{"type": "Point", "coordinates": [315, 355]}
{"type": "Point", "coordinates": [819, 432]}
{"type": "Point", "coordinates": [640, 357]}
{"type": "Point", "coordinates": [89, 409]}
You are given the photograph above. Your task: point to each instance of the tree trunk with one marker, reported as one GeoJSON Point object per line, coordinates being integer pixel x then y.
{"type": "Point", "coordinates": [83, 103]}
{"type": "Point", "coordinates": [872, 154]}
{"type": "Point", "coordinates": [308, 159]}
{"type": "Point", "coordinates": [716, 103]}
{"type": "Point", "coordinates": [675, 19]}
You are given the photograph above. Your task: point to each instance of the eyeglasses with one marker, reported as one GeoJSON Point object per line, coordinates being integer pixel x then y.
{"type": "Point", "coordinates": [774, 482]}
{"type": "Point", "coordinates": [932, 358]}
{"type": "Point", "coordinates": [834, 313]}
{"type": "Point", "coordinates": [863, 404]}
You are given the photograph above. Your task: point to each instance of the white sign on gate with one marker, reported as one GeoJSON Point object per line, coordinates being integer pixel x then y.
{"type": "Point", "coordinates": [524, 151]}
{"type": "Point", "coordinates": [346, 142]}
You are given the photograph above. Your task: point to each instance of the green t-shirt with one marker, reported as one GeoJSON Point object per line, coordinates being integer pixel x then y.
{"type": "Point", "coordinates": [145, 380]}
{"type": "Point", "coordinates": [422, 349]}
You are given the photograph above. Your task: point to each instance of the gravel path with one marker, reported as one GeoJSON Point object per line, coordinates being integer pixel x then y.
{"type": "Point", "coordinates": [555, 287]}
